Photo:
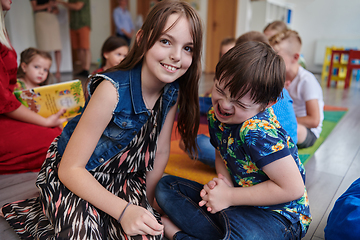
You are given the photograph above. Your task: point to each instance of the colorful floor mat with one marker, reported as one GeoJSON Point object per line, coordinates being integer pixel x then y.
{"type": "Point", "coordinates": [181, 165]}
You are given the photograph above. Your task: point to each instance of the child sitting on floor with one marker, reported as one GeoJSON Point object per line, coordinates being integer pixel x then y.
{"type": "Point", "coordinates": [113, 51]}
{"type": "Point", "coordinates": [303, 88]}
{"type": "Point", "coordinates": [34, 69]}
{"type": "Point", "coordinates": [283, 110]}
{"type": "Point", "coordinates": [260, 190]}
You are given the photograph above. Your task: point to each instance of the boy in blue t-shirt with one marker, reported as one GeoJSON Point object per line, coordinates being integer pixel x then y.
{"type": "Point", "coordinates": [260, 190]}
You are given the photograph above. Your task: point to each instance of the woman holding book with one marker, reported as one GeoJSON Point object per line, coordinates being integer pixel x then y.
{"type": "Point", "coordinates": [25, 135]}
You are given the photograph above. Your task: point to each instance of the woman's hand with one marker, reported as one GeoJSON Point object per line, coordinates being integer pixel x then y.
{"type": "Point", "coordinates": [139, 221]}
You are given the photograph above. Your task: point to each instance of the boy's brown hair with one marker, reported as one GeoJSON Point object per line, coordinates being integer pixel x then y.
{"type": "Point", "coordinates": [252, 67]}
{"type": "Point", "coordinates": [252, 36]}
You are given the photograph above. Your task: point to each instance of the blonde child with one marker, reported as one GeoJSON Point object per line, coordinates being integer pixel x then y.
{"type": "Point", "coordinates": [274, 28]}
{"type": "Point", "coordinates": [303, 88]}
{"type": "Point", "coordinates": [260, 190]}
{"type": "Point", "coordinates": [113, 51]}
{"type": "Point", "coordinates": [25, 135]}
{"type": "Point", "coordinates": [34, 69]}
{"type": "Point", "coordinates": [98, 181]}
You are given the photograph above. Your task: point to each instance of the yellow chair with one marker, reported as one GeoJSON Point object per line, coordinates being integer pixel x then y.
{"type": "Point", "coordinates": [338, 66]}
{"type": "Point", "coordinates": [326, 63]}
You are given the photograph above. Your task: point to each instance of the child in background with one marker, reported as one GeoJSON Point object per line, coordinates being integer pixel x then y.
{"type": "Point", "coordinates": [100, 184]}
{"type": "Point", "coordinates": [274, 28]}
{"type": "Point", "coordinates": [25, 135]}
{"type": "Point", "coordinates": [260, 190]}
{"type": "Point", "coordinates": [283, 110]}
{"type": "Point", "coordinates": [303, 88]}
{"type": "Point", "coordinates": [34, 69]}
{"type": "Point", "coordinates": [225, 45]}
{"type": "Point", "coordinates": [113, 51]}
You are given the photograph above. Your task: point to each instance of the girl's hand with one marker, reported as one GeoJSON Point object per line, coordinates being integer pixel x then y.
{"type": "Point", "coordinates": [139, 221]}
{"type": "Point", "coordinates": [55, 120]}
{"type": "Point", "coordinates": [216, 199]}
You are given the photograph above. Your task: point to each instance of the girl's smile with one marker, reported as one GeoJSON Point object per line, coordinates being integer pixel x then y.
{"type": "Point", "coordinates": [171, 56]}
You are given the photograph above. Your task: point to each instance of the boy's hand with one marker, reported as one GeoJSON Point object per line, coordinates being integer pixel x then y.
{"type": "Point", "coordinates": [217, 198]}
{"type": "Point", "coordinates": [55, 120]}
{"type": "Point", "coordinates": [139, 221]}
{"type": "Point", "coordinates": [207, 190]}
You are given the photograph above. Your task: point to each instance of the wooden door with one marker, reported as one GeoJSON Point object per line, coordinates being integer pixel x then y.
{"type": "Point", "coordinates": [221, 23]}
{"type": "Point", "coordinates": [113, 5]}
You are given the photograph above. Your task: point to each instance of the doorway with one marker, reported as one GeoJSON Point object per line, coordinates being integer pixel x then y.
{"type": "Point", "coordinates": [221, 23]}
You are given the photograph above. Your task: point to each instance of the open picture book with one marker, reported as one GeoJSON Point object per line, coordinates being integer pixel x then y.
{"type": "Point", "coordinates": [49, 99]}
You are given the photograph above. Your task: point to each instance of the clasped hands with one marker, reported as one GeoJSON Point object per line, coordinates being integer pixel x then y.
{"type": "Point", "coordinates": [216, 194]}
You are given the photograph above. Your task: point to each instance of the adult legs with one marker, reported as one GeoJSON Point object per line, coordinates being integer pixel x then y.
{"type": "Point", "coordinates": [58, 63]}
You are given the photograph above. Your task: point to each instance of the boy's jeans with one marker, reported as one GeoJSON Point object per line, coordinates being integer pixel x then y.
{"type": "Point", "coordinates": [179, 198]}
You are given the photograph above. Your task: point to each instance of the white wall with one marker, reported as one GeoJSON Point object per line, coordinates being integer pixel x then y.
{"type": "Point", "coordinates": [100, 27]}
{"type": "Point", "coordinates": [20, 25]}
{"type": "Point", "coordinates": [324, 19]}
{"type": "Point", "coordinates": [313, 19]}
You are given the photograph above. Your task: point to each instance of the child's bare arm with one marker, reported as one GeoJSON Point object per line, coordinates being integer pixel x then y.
{"type": "Point", "coordinates": [285, 184]}
{"type": "Point", "coordinates": [312, 118]}
{"type": "Point", "coordinates": [24, 114]}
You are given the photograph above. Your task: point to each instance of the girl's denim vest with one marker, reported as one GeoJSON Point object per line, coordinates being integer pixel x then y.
{"type": "Point", "coordinates": [128, 118]}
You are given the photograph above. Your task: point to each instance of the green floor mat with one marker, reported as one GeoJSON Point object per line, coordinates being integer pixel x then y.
{"type": "Point", "coordinates": [331, 118]}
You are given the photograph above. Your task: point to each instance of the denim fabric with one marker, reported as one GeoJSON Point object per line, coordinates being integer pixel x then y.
{"type": "Point", "coordinates": [206, 151]}
{"type": "Point", "coordinates": [205, 104]}
{"type": "Point", "coordinates": [129, 115]}
{"type": "Point", "coordinates": [179, 199]}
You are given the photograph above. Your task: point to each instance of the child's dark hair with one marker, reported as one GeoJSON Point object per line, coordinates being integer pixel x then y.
{"type": "Point", "coordinates": [110, 44]}
{"type": "Point", "coordinates": [226, 41]}
{"type": "Point", "coordinates": [152, 29]}
{"type": "Point", "coordinates": [252, 36]}
{"type": "Point", "coordinates": [27, 56]}
{"type": "Point", "coordinates": [252, 67]}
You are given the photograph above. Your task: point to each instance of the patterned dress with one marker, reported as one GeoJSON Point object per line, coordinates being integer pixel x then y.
{"type": "Point", "coordinates": [59, 214]}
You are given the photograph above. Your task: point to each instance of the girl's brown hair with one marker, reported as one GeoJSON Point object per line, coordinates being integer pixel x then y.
{"type": "Point", "coordinates": [152, 29]}
{"type": "Point", "coordinates": [27, 56]}
{"type": "Point", "coordinates": [252, 67]}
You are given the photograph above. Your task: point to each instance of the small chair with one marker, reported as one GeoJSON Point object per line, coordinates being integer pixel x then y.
{"type": "Point", "coordinates": [326, 63]}
{"type": "Point", "coordinates": [338, 62]}
{"type": "Point", "coordinates": [353, 63]}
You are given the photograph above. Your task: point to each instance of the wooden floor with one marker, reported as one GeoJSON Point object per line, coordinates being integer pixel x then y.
{"type": "Point", "coordinates": [334, 166]}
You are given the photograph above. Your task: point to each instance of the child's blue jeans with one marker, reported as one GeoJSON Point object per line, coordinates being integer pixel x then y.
{"type": "Point", "coordinates": [179, 198]}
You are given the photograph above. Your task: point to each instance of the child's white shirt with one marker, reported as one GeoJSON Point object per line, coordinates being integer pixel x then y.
{"type": "Point", "coordinates": [303, 88]}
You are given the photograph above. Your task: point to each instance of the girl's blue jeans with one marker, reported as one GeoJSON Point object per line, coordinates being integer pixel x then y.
{"type": "Point", "coordinates": [179, 198]}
